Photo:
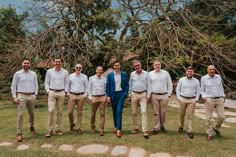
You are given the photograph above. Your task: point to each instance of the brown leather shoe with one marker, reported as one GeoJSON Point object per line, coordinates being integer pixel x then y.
{"type": "Point", "coordinates": [114, 130]}
{"type": "Point", "coordinates": [101, 133]}
{"type": "Point", "coordinates": [79, 131]}
{"type": "Point", "coordinates": [59, 132]}
{"type": "Point", "coordinates": [190, 135]}
{"type": "Point", "coordinates": [217, 132]}
{"type": "Point", "coordinates": [145, 134]}
{"type": "Point", "coordinates": [32, 130]}
{"type": "Point", "coordinates": [118, 134]}
{"type": "Point", "coordinates": [49, 134]}
{"type": "Point", "coordinates": [19, 138]}
{"type": "Point", "coordinates": [135, 130]}
{"type": "Point", "coordinates": [209, 137]}
{"type": "Point", "coordinates": [93, 130]}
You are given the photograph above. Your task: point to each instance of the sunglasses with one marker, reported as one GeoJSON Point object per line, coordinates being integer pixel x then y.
{"type": "Point", "coordinates": [78, 67]}
{"type": "Point", "coordinates": [137, 65]}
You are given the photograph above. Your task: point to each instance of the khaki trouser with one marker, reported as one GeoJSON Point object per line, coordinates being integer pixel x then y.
{"type": "Point", "coordinates": [77, 100]}
{"type": "Point", "coordinates": [139, 99]}
{"type": "Point", "coordinates": [159, 105]}
{"type": "Point", "coordinates": [29, 101]}
{"type": "Point", "coordinates": [210, 105]}
{"type": "Point", "coordinates": [101, 103]}
{"type": "Point", "coordinates": [55, 102]}
{"type": "Point", "coordinates": [189, 105]}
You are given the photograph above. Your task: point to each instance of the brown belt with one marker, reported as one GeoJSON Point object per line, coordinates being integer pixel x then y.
{"type": "Point", "coordinates": [218, 97]}
{"type": "Point", "coordinates": [77, 93]}
{"type": "Point", "coordinates": [98, 95]}
{"type": "Point", "coordinates": [26, 93]}
{"type": "Point", "coordinates": [139, 92]}
{"type": "Point", "coordinates": [56, 90]}
{"type": "Point", "coordinates": [159, 93]}
{"type": "Point", "coordinates": [186, 97]}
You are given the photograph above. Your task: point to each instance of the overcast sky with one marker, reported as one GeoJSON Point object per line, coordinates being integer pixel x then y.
{"type": "Point", "coordinates": [18, 4]}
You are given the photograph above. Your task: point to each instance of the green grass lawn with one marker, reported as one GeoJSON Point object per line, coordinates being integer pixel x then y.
{"type": "Point", "coordinates": [171, 142]}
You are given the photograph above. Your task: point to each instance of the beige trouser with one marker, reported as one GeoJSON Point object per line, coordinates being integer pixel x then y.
{"type": "Point", "coordinates": [55, 102]}
{"type": "Point", "coordinates": [77, 100]}
{"type": "Point", "coordinates": [210, 105]}
{"type": "Point", "coordinates": [29, 101]}
{"type": "Point", "coordinates": [159, 105]}
{"type": "Point", "coordinates": [137, 99]}
{"type": "Point", "coordinates": [189, 105]}
{"type": "Point", "coordinates": [101, 103]}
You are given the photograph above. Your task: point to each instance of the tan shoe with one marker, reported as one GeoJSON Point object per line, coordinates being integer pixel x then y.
{"type": "Point", "coordinates": [59, 132]}
{"type": "Point", "coordinates": [19, 138]}
{"type": "Point", "coordinates": [101, 133]}
{"type": "Point", "coordinates": [135, 130]}
{"type": "Point", "coordinates": [49, 134]}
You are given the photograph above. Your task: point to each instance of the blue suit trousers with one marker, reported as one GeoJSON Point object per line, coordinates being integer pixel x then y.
{"type": "Point", "coordinates": [117, 108]}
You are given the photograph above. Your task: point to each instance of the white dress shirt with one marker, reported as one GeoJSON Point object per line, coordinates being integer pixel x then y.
{"type": "Point", "coordinates": [139, 83]}
{"type": "Point", "coordinates": [25, 82]}
{"type": "Point", "coordinates": [56, 80]}
{"type": "Point", "coordinates": [78, 83]}
{"type": "Point", "coordinates": [117, 81]}
{"type": "Point", "coordinates": [188, 88]}
{"type": "Point", "coordinates": [96, 86]}
{"type": "Point", "coordinates": [160, 82]}
{"type": "Point", "coordinates": [212, 86]}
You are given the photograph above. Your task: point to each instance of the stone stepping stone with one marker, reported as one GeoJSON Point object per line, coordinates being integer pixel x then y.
{"type": "Point", "coordinates": [225, 126]}
{"type": "Point", "coordinates": [231, 120]}
{"type": "Point", "coordinates": [66, 147]}
{"type": "Point", "coordinates": [119, 150]}
{"type": "Point", "coordinates": [228, 113]}
{"type": "Point", "coordinates": [137, 152]}
{"type": "Point", "coordinates": [161, 154]}
{"type": "Point", "coordinates": [5, 143]}
{"type": "Point", "coordinates": [93, 149]}
{"type": "Point", "coordinates": [23, 147]}
{"type": "Point", "coordinates": [47, 146]}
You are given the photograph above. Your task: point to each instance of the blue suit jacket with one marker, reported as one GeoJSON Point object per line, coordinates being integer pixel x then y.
{"type": "Point", "coordinates": [110, 85]}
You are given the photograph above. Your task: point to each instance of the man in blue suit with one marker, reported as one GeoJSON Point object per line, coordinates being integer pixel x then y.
{"type": "Point", "coordinates": [117, 88]}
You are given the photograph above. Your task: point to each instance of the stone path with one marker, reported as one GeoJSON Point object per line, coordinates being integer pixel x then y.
{"type": "Point", "coordinates": [119, 150]}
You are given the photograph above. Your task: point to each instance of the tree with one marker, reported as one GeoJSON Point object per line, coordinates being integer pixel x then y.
{"type": "Point", "coordinates": [12, 37]}
{"type": "Point", "coordinates": [78, 31]}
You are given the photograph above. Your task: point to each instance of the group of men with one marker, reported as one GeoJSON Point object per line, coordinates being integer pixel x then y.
{"type": "Point", "coordinates": [142, 87]}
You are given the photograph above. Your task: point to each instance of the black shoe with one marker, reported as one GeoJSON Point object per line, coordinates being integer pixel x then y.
{"type": "Point", "coordinates": [154, 132]}
{"type": "Point", "coordinates": [163, 129]}
{"type": "Point", "coordinates": [217, 132]}
{"type": "Point", "coordinates": [181, 129]}
{"type": "Point", "coordinates": [190, 135]}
